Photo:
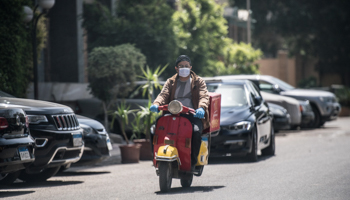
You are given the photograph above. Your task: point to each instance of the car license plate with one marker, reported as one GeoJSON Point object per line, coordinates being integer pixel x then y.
{"type": "Point", "coordinates": [109, 144]}
{"type": "Point", "coordinates": [24, 153]}
{"type": "Point", "coordinates": [77, 139]}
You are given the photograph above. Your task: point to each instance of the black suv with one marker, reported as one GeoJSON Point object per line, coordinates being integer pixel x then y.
{"type": "Point", "coordinates": [57, 134]}
{"type": "Point", "coordinates": [16, 144]}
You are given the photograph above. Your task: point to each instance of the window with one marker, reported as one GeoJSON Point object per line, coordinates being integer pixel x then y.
{"type": "Point", "coordinates": [231, 95]}
{"type": "Point", "coordinates": [266, 86]}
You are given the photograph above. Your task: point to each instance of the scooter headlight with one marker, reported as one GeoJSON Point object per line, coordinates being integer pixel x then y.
{"type": "Point", "coordinates": [175, 107]}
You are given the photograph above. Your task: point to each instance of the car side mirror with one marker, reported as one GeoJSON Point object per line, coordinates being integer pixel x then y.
{"type": "Point", "coordinates": [276, 89]}
{"type": "Point", "coordinates": [257, 100]}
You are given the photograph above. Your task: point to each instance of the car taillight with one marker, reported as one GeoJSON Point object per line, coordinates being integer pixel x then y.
{"type": "Point", "coordinates": [3, 123]}
{"type": "Point", "coordinates": [301, 108]}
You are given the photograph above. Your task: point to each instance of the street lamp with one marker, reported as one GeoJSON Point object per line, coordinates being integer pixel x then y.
{"type": "Point", "coordinates": [45, 5]}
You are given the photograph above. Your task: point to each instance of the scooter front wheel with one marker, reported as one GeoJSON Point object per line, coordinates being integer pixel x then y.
{"type": "Point", "coordinates": [165, 176]}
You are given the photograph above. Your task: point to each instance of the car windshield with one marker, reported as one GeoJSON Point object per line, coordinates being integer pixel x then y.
{"type": "Point", "coordinates": [282, 84]}
{"type": "Point", "coordinates": [231, 95]}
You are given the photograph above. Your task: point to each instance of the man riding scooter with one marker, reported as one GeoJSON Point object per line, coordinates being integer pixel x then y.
{"type": "Point", "coordinates": [191, 90]}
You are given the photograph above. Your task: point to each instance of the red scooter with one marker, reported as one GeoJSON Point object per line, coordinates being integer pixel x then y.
{"type": "Point", "coordinates": [172, 146]}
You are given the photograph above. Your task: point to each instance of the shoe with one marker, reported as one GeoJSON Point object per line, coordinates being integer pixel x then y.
{"type": "Point", "coordinates": [193, 168]}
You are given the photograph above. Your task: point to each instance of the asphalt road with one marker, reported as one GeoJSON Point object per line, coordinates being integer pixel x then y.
{"type": "Point", "coordinates": [310, 164]}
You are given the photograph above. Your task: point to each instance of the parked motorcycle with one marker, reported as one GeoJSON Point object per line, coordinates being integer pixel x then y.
{"type": "Point", "coordinates": [172, 145]}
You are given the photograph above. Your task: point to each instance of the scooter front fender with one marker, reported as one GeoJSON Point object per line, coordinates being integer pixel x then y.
{"type": "Point", "coordinates": [167, 153]}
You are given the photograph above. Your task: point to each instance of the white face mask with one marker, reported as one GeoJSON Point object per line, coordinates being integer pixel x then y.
{"type": "Point", "coordinates": [184, 72]}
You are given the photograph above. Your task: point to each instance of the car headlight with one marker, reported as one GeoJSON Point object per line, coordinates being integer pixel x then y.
{"type": "Point", "coordinates": [276, 111]}
{"type": "Point", "coordinates": [244, 125]}
{"type": "Point", "coordinates": [36, 119]}
{"type": "Point", "coordinates": [175, 107]}
{"type": "Point", "coordinates": [86, 129]}
{"type": "Point", "coordinates": [327, 99]}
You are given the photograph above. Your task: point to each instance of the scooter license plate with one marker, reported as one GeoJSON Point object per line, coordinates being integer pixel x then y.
{"type": "Point", "coordinates": [24, 153]}
{"type": "Point", "coordinates": [77, 139]}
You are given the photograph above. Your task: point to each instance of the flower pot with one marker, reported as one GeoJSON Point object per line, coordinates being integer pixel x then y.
{"type": "Point", "coordinates": [130, 153]}
{"type": "Point", "coordinates": [344, 112]}
{"type": "Point", "coordinates": [145, 150]}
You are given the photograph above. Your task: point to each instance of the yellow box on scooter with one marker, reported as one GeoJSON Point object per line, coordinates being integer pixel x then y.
{"type": "Point", "coordinates": [203, 154]}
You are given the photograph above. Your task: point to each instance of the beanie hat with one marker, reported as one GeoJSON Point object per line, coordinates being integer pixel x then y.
{"type": "Point", "coordinates": [182, 58]}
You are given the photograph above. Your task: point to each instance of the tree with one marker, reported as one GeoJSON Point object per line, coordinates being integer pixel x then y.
{"type": "Point", "coordinates": [201, 32]}
{"type": "Point", "coordinates": [196, 28]}
{"type": "Point", "coordinates": [147, 24]}
{"type": "Point", "coordinates": [319, 29]}
{"type": "Point", "coordinates": [112, 70]}
{"type": "Point", "coordinates": [16, 63]}
{"type": "Point", "coordinates": [238, 59]}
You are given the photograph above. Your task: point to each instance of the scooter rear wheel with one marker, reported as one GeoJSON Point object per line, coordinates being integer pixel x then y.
{"type": "Point", "coordinates": [187, 181]}
{"type": "Point", "coordinates": [165, 176]}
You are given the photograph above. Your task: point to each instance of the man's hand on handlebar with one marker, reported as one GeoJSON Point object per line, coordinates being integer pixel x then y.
{"type": "Point", "coordinates": [199, 113]}
{"type": "Point", "coordinates": [154, 108]}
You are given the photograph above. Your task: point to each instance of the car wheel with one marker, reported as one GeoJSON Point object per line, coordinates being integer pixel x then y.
{"type": "Point", "coordinates": [9, 178]}
{"type": "Point", "coordinates": [37, 177]}
{"type": "Point", "coordinates": [316, 123]}
{"type": "Point", "coordinates": [270, 150]}
{"type": "Point", "coordinates": [253, 155]}
{"type": "Point", "coordinates": [322, 123]}
{"type": "Point", "coordinates": [293, 127]}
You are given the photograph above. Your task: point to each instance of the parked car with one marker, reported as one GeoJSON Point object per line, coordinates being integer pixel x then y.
{"type": "Point", "coordinates": [16, 143]}
{"type": "Point", "coordinates": [246, 121]}
{"type": "Point", "coordinates": [57, 134]}
{"type": "Point", "coordinates": [281, 117]}
{"type": "Point", "coordinates": [324, 104]}
{"type": "Point", "coordinates": [307, 114]}
{"type": "Point", "coordinates": [290, 104]}
{"type": "Point", "coordinates": [97, 142]}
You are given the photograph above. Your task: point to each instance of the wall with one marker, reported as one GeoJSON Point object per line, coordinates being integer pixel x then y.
{"type": "Point", "coordinates": [282, 67]}
{"type": "Point", "coordinates": [293, 70]}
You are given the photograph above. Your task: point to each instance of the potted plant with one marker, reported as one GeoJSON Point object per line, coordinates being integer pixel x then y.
{"type": "Point", "coordinates": [147, 118]}
{"type": "Point", "coordinates": [130, 153]}
{"type": "Point", "coordinates": [140, 129]}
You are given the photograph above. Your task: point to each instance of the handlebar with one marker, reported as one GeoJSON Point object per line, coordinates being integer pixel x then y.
{"type": "Point", "coordinates": [184, 109]}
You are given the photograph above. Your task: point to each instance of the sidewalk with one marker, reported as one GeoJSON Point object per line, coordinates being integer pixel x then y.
{"type": "Point", "coordinates": [115, 157]}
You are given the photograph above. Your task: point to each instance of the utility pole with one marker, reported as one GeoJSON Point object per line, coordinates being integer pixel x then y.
{"type": "Point", "coordinates": [248, 23]}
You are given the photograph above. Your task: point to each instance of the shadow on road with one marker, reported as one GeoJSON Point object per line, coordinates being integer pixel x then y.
{"type": "Point", "coordinates": [303, 130]}
{"type": "Point", "coordinates": [14, 193]}
{"type": "Point", "coordinates": [40, 184]}
{"type": "Point", "coordinates": [226, 160]}
{"type": "Point", "coordinates": [190, 190]}
{"type": "Point", "coordinates": [74, 173]}
{"type": "Point", "coordinates": [233, 160]}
